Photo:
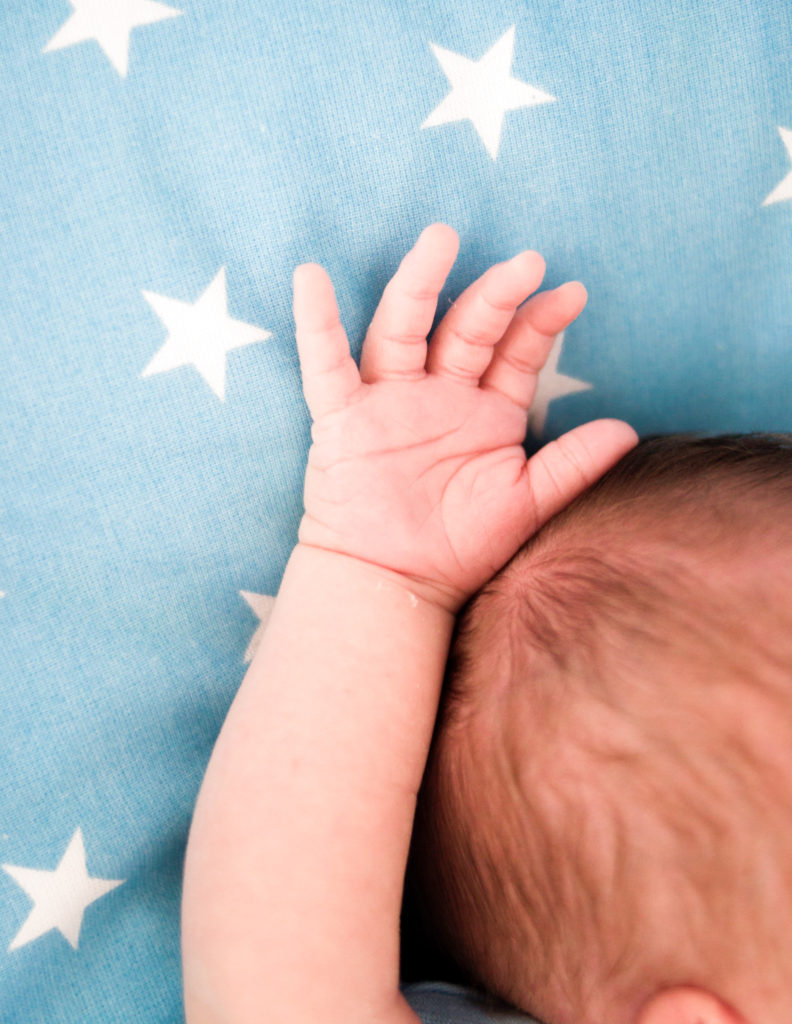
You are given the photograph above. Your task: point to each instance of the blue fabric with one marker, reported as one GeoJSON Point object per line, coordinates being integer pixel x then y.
{"type": "Point", "coordinates": [163, 169]}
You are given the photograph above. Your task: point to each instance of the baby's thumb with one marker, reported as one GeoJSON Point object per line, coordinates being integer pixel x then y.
{"type": "Point", "coordinates": [564, 468]}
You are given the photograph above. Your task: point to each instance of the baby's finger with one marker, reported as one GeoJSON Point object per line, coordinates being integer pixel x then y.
{"type": "Point", "coordinates": [564, 468]}
{"type": "Point", "coordinates": [395, 345]}
{"type": "Point", "coordinates": [461, 346]}
{"type": "Point", "coordinates": [329, 374]}
{"type": "Point", "coordinates": [523, 350]}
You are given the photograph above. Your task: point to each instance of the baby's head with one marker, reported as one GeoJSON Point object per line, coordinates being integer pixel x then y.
{"type": "Point", "coordinates": [607, 809]}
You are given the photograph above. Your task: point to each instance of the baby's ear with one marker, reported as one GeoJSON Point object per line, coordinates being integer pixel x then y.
{"type": "Point", "coordinates": [687, 1006]}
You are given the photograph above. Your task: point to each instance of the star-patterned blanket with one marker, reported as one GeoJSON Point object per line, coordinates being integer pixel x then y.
{"type": "Point", "coordinates": [164, 167]}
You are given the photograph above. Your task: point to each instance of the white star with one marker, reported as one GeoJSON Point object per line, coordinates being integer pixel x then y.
{"type": "Point", "coordinates": [482, 91]}
{"type": "Point", "coordinates": [551, 384]}
{"type": "Point", "coordinates": [262, 605]}
{"type": "Point", "coordinates": [60, 896]}
{"type": "Point", "coordinates": [201, 334]}
{"type": "Point", "coordinates": [784, 189]}
{"type": "Point", "coordinates": [110, 25]}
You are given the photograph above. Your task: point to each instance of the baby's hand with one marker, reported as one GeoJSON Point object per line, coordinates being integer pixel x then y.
{"type": "Point", "coordinates": [417, 462]}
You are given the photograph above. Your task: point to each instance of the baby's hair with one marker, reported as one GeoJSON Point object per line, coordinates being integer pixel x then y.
{"type": "Point", "coordinates": [617, 712]}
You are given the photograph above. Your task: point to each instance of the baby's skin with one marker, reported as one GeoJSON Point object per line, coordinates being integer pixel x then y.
{"type": "Point", "coordinates": [417, 491]}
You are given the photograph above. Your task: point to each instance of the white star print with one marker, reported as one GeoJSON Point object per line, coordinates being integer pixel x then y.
{"type": "Point", "coordinates": [60, 896]}
{"type": "Point", "coordinates": [483, 90]}
{"type": "Point", "coordinates": [262, 605]}
{"type": "Point", "coordinates": [201, 334]}
{"type": "Point", "coordinates": [784, 189]}
{"type": "Point", "coordinates": [110, 24]}
{"type": "Point", "coordinates": [551, 384]}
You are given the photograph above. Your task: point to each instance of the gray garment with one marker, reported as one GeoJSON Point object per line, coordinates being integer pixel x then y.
{"type": "Point", "coordinates": [437, 1002]}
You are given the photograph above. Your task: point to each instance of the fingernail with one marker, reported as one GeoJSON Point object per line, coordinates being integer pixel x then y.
{"type": "Point", "coordinates": [535, 257]}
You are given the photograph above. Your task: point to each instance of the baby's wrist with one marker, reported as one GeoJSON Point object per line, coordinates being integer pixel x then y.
{"type": "Point", "coordinates": [445, 598]}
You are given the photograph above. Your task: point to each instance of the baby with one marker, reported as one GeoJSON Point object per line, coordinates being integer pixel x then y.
{"type": "Point", "coordinates": [607, 809]}
{"type": "Point", "coordinates": [603, 831]}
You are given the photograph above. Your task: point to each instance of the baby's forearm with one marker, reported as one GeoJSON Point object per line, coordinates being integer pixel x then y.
{"type": "Point", "coordinates": [295, 863]}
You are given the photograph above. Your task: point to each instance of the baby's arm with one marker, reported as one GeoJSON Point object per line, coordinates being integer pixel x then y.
{"type": "Point", "coordinates": [417, 490]}
{"type": "Point", "coordinates": [297, 851]}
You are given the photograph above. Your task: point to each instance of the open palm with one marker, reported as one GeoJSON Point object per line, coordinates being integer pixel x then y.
{"type": "Point", "coordinates": [417, 462]}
